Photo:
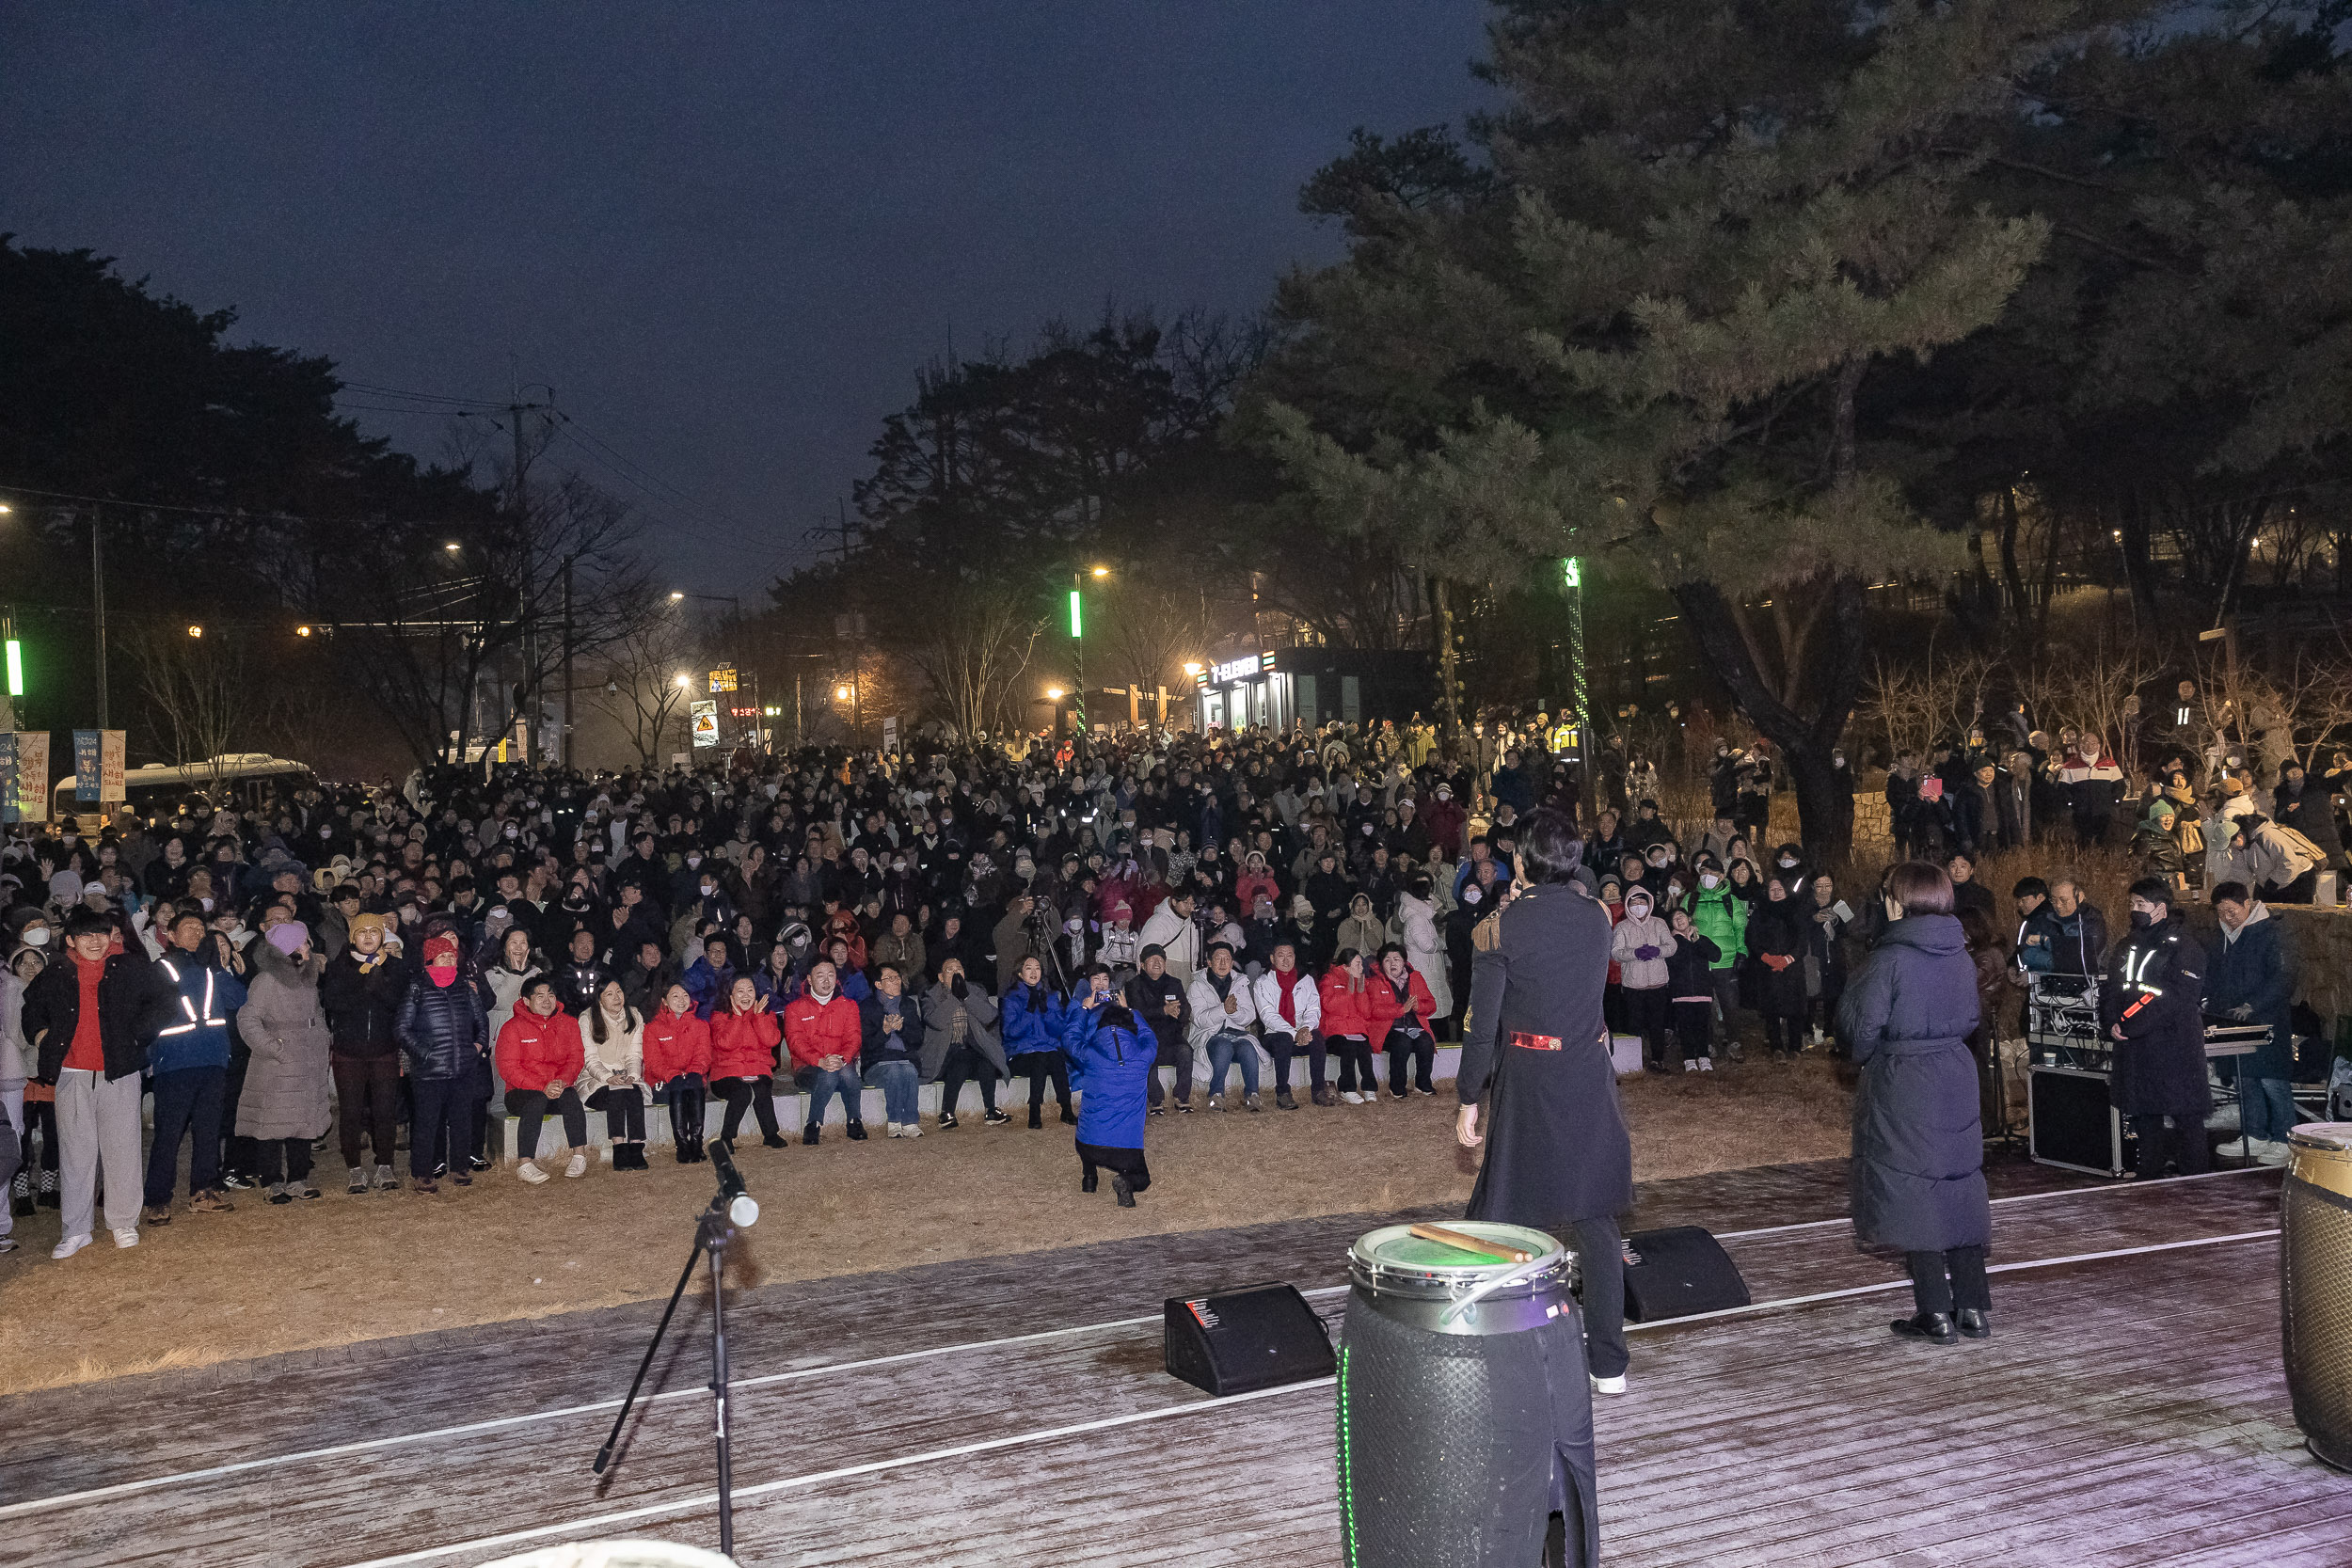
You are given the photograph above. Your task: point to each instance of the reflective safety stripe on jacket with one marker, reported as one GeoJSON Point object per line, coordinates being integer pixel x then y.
{"type": "Point", "coordinates": [206, 1017]}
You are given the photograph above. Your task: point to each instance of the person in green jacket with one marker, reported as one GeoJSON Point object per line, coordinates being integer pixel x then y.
{"type": "Point", "coordinates": [1722, 917]}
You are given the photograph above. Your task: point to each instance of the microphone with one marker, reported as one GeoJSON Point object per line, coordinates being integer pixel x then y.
{"type": "Point", "coordinates": [742, 1209]}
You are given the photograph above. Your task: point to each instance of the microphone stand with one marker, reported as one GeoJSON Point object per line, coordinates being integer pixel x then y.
{"type": "Point", "coordinates": [713, 1230]}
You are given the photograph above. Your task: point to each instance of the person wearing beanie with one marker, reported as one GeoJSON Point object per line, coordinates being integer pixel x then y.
{"type": "Point", "coordinates": [362, 992]}
{"type": "Point", "coordinates": [284, 1104]}
{"type": "Point", "coordinates": [444, 1030]}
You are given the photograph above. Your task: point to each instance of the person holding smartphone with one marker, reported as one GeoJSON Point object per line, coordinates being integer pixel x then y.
{"type": "Point", "coordinates": [1112, 1059]}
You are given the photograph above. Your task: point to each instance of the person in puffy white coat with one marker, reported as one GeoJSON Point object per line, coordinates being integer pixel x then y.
{"type": "Point", "coordinates": [1290, 1013]}
{"type": "Point", "coordinates": [1424, 948]}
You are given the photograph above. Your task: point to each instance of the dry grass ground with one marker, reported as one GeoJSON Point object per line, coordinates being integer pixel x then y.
{"type": "Point", "coordinates": [218, 1288]}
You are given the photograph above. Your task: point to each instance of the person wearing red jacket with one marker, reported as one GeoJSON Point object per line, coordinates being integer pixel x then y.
{"type": "Point", "coordinates": [1401, 1009]}
{"type": "Point", "coordinates": [1347, 1026]}
{"type": "Point", "coordinates": [822, 1029]}
{"type": "Point", "coordinates": [540, 1058]}
{"type": "Point", "coordinates": [743, 1039]}
{"type": "Point", "coordinates": [677, 1065]}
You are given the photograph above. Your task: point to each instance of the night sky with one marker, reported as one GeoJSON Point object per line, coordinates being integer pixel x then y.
{"type": "Point", "coordinates": [725, 234]}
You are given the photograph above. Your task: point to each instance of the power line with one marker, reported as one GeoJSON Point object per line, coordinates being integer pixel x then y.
{"type": "Point", "coordinates": [372, 390]}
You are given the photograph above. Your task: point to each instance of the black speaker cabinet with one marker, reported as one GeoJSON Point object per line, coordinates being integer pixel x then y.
{"type": "Point", "coordinates": [2070, 1124]}
{"type": "Point", "coordinates": [1676, 1271]}
{"type": "Point", "coordinates": [1239, 1340]}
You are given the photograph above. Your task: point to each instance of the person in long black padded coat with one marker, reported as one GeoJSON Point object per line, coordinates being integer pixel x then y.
{"type": "Point", "coordinates": [1917, 1172]}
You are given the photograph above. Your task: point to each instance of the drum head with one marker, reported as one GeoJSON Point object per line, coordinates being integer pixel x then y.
{"type": "Point", "coordinates": [2333, 1137]}
{"type": "Point", "coordinates": [1394, 1248]}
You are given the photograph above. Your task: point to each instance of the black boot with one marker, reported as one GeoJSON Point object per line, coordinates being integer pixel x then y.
{"type": "Point", "coordinates": [808, 1134]}
{"type": "Point", "coordinates": [685, 1152]}
{"type": "Point", "coordinates": [1069, 1116]}
{"type": "Point", "coordinates": [1282, 1101]}
{"type": "Point", "coordinates": [1976, 1323]}
{"type": "Point", "coordinates": [1934, 1326]}
{"type": "Point", "coordinates": [857, 1132]}
{"type": "Point", "coordinates": [1037, 1117]}
{"type": "Point", "coordinates": [1087, 1183]}
{"type": "Point", "coordinates": [1126, 1194]}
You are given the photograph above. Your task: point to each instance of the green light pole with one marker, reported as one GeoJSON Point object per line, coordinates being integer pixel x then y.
{"type": "Point", "coordinates": [1078, 645]}
{"type": "Point", "coordinates": [1580, 695]}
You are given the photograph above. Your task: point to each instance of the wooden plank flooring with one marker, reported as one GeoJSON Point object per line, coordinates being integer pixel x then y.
{"type": "Point", "coordinates": [2131, 1412]}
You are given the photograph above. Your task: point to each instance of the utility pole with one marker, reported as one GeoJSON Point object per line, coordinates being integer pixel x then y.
{"type": "Point", "coordinates": [568, 663]}
{"type": "Point", "coordinates": [529, 607]}
{"type": "Point", "coordinates": [98, 601]}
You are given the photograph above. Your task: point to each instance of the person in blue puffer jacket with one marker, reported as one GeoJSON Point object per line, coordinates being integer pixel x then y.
{"type": "Point", "coordinates": [1112, 1065]}
{"type": "Point", "coordinates": [1029, 1021]}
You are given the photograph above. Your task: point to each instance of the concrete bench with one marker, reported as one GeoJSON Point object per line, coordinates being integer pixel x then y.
{"type": "Point", "coordinates": [792, 1109]}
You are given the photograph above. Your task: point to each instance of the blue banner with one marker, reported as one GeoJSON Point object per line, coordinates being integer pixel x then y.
{"type": "Point", "coordinates": [86, 766]}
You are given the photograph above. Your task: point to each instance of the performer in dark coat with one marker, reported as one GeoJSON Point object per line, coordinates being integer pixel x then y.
{"type": "Point", "coordinates": [1558, 1155]}
{"type": "Point", "coordinates": [1917, 1173]}
{"type": "Point", "coordinates": [2153, 1010]}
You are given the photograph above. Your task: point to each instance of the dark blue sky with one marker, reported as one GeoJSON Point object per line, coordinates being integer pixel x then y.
{"type": "Point", "coordinates": [725, 234]}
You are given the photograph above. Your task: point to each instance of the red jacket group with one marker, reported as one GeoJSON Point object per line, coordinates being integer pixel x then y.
{"type": "Point", "coordinates": [534, 1052]}
{"type": "Point", "coordinates": [742, 1045]}
{"type": "Point", "coordinates": [677, 1043]}
{"type": "Point", "coordinates": [814, 1030]}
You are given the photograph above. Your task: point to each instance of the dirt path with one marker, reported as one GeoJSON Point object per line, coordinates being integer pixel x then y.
{"type": "Point", "coordinates": [220, 1288]}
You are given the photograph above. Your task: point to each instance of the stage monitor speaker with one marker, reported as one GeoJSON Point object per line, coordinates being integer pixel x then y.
{"type": "Point", "coordinates": [1239, 1340]}
{"type": "Point", "coordinates": [1676, 1271]}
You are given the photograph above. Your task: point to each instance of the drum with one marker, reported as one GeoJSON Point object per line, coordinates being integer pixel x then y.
{"type": "Point", "coordinates": [2315, 1285]}
{"type": "Point", "coordinates": [1465, 1413]}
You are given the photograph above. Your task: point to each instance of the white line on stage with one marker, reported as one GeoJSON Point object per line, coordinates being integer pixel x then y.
{"type": "Point", "coordinates": [217, 1472]}
{"type": "Point", "coordinates": [601, 1522]}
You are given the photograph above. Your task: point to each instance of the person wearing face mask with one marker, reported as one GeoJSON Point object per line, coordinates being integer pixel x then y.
{"type": "Point", "coordinates": [1690, 994]}
{"type": "Point", "coordinates": [2151, 1008]}
{"type": "Point", "coordinates": [1641, 945]}
{"type": "Point", "coordinates": [1028, 1023]}
{"type": "Point", "coordinates": [444, 1032]}
{"type": "Point", "coordinates": [16, 1071]}
{"type": "Point", "coordinates": [1776, 940]}
{"type": "Point", "coordinates": [1721, 915]}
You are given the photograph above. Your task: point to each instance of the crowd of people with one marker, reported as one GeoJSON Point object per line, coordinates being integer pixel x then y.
{"type": "Point", "coordinates": [425, 964]}
{"type": "Point", "coordinates": [2196, 816]}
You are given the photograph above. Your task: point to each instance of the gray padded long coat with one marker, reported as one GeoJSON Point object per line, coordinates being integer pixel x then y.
{"type": "Point", "coordinates": [1917, 1175]}
{"type": "Point", "coordinates": [286, 1088]}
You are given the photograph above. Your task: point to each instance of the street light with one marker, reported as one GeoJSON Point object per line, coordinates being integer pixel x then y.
{"type": "Point", "coordinates": [195, 631]}
{"type": "Point", "coordinates": [1193, 668]}
{"type": "Point", "coordinates": [1053, 693]}
{"type": "Point", "coordinates": [684, 682]}
{"type": "Point", "coordinates": [451, 547]}
{"type": "Point", "coordinates": [302, 631]}
{"type": "Point", "coordinates": [676, 595]}
{"type": "Point", "coordinates": [1102, 571]}
{"type": "Point", "coordinates": [841, 693]}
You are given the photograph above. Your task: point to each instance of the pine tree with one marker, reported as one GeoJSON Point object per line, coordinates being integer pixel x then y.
{"type": "Point", "coordinates": [1649, 327]}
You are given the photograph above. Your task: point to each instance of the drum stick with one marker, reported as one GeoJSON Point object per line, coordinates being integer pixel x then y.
{"type": "Point", "coordinates": [1469, 1243]}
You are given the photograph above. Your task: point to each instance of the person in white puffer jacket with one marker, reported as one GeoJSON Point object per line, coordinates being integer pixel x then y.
{"type": "Point", "coordinates": [1641, 945]}
{"type": "Point", "coordinates": [1290, 1014]}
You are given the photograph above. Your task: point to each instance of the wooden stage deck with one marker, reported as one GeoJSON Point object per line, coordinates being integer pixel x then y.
{"type": "Point", "coordinates": [2130, 1411]}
